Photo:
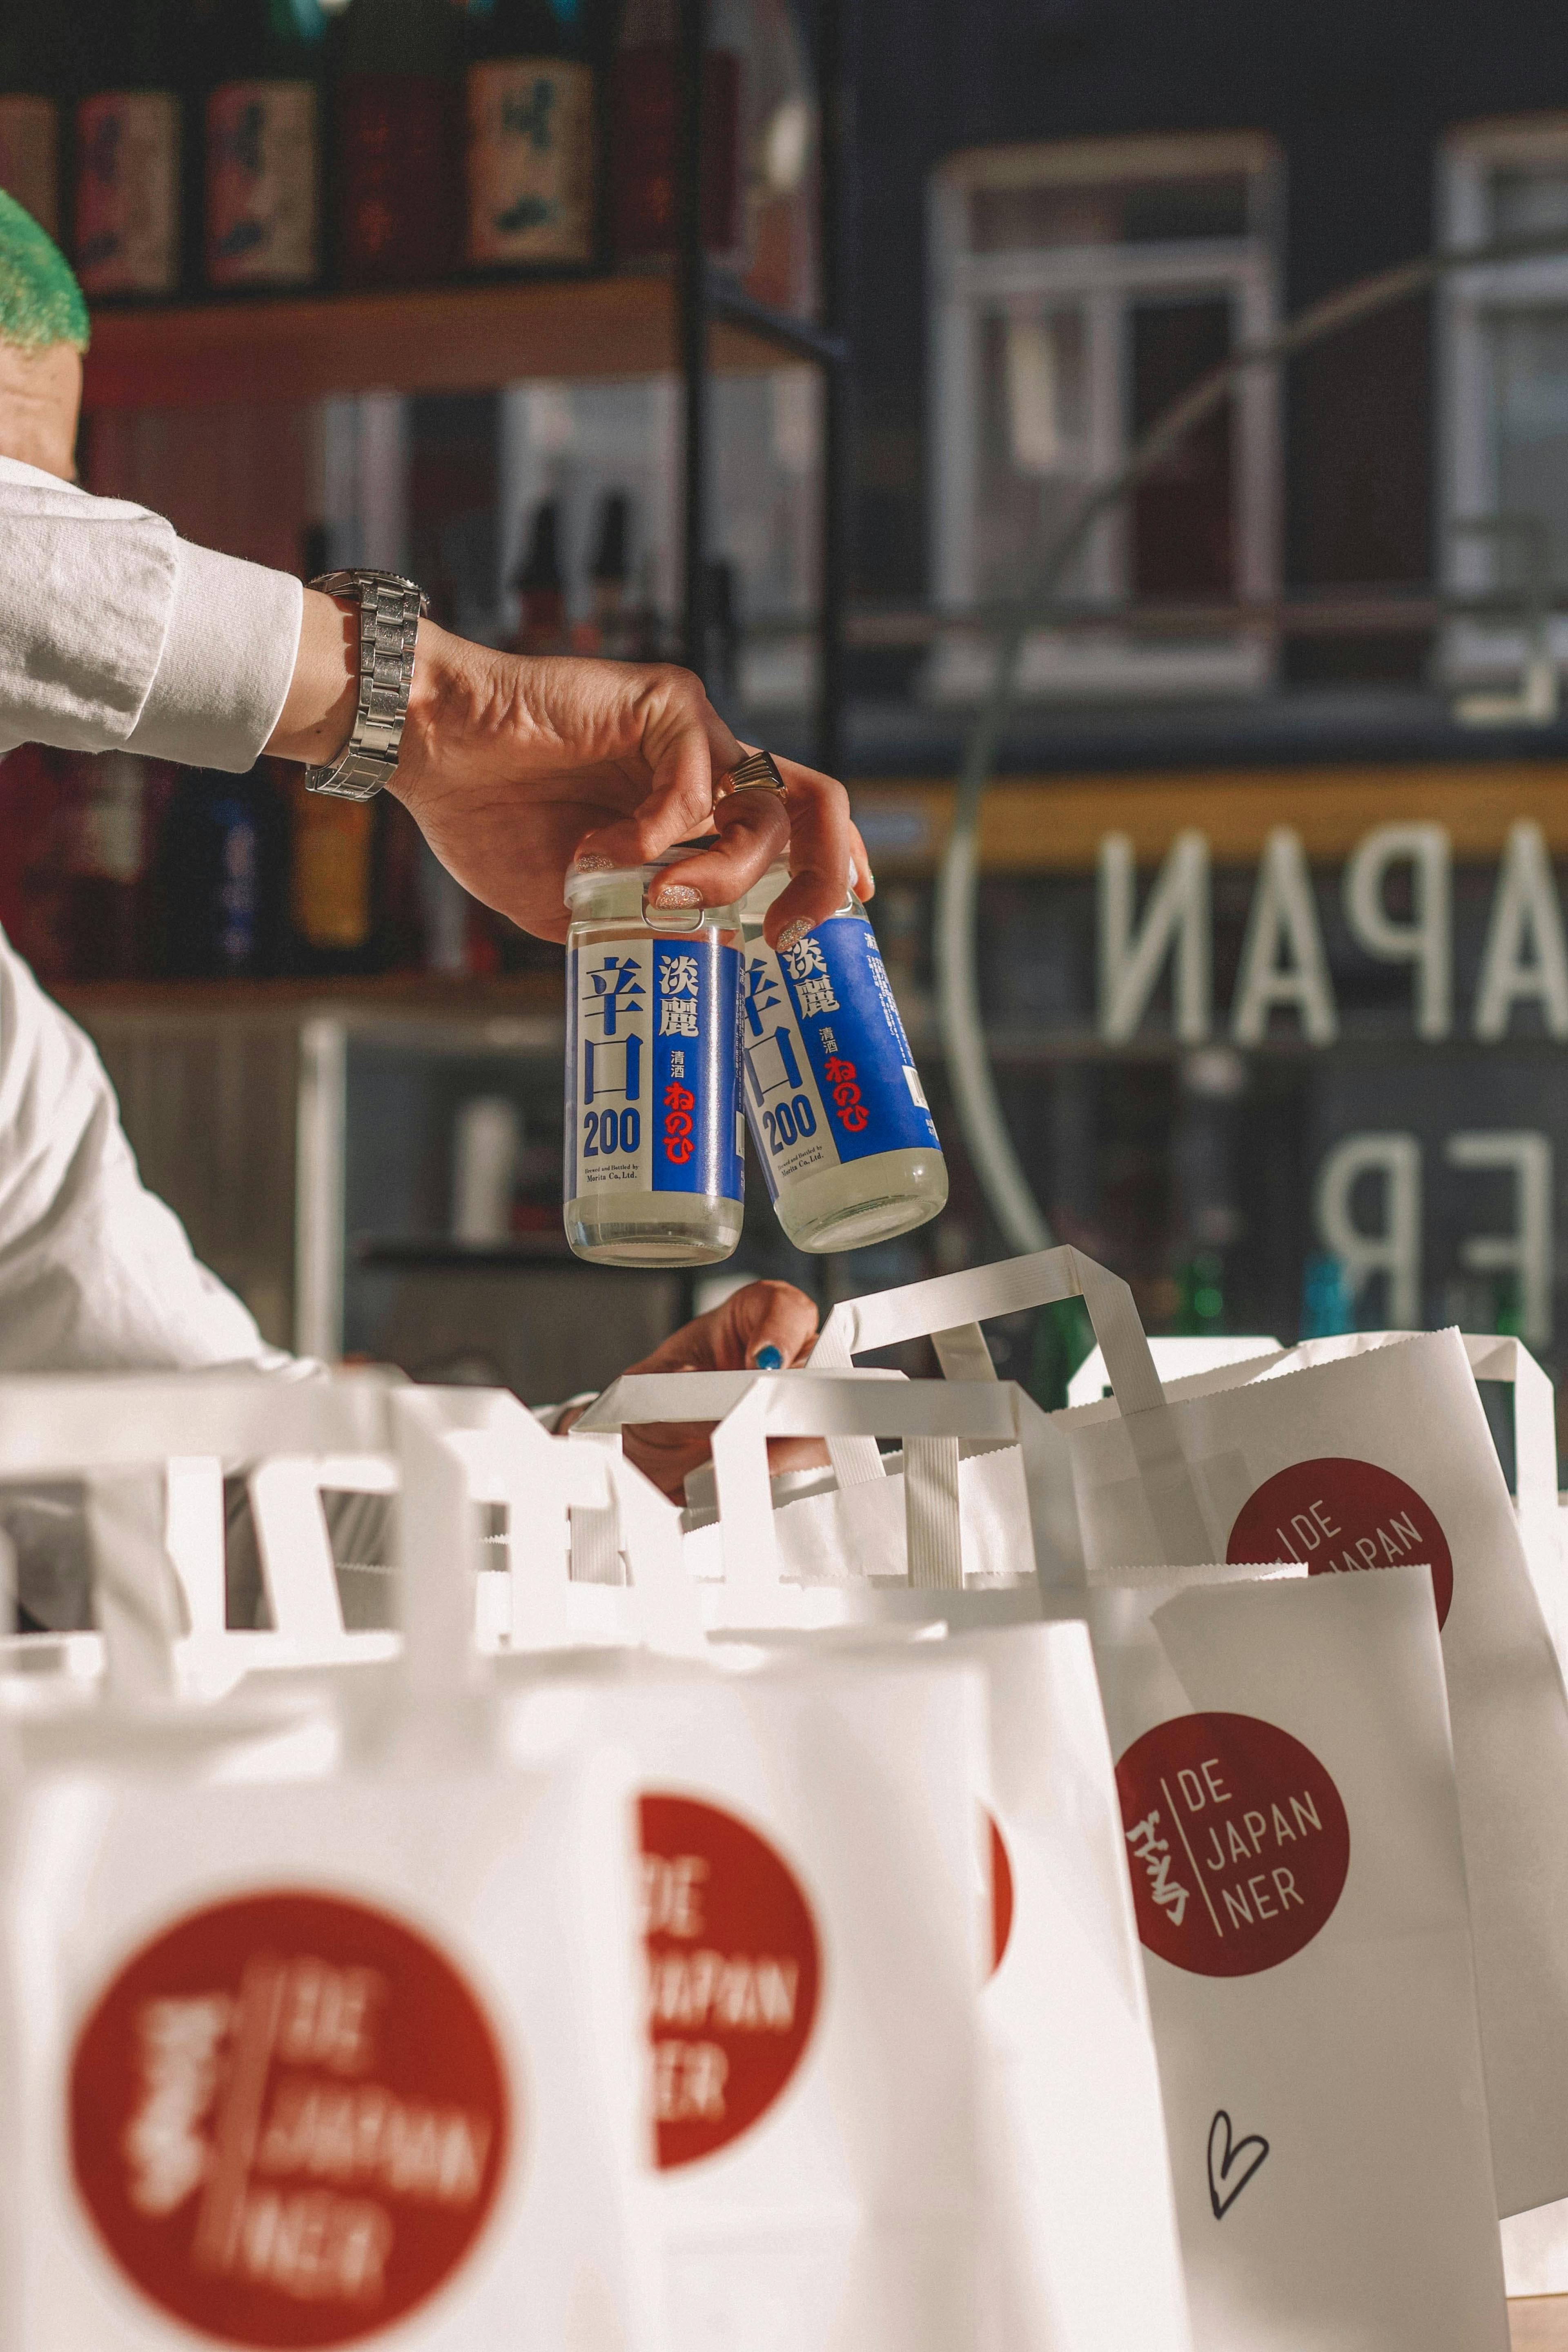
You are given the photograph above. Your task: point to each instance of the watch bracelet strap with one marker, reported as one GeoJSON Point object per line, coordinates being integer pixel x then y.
{"type": "Point", "coordinates": [390, 611]}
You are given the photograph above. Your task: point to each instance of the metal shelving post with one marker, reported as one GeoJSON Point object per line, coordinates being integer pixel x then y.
{"type": "Point", "coordinates": [707, 297]}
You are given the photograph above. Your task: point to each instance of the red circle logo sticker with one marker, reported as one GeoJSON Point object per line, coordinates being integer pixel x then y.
{"type": "Point", "coordinates": [1338, 1514]}
{"type": "Point", "coordinates": [734, 1973]}
{"type": "Point", "coordinates": [1237, 1839]}
{"type": "Point", "coordinates": [998, 1876]}
{"type": "Point", "coordinates": [288, 2120]}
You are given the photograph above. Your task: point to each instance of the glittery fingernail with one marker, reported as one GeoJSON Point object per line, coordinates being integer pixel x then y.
{"type": "Point", "coordinates": [769, 1359]}
{"type": "Point", "coordinates": [792, 935]}
{"type": "Point", "coordinates": [591, 862]}
{"type": "Point", "coordinates": [678, 894]}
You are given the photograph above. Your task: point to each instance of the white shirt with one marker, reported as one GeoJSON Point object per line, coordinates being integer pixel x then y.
{"type": "Point", "coordinates": [115, 635]}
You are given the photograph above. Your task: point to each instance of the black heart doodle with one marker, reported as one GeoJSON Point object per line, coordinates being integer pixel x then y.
{"type": "Point", "coordinates": [1220, 2170]}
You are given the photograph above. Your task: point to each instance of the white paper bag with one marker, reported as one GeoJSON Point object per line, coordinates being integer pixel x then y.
{"type": "Point", "coordinates": [1079, 2245]}
{"type": "Point", "coordinates": [315, 2027]}
{"type": "Point", "coordinates": [1291, 1830]}
{"type": "Point", "coordinates": [809, 1884]}
{"type": "Point", "coordinates": [1373, 1456]}
{"type": "Point", "coordinates": [1083, 2252]}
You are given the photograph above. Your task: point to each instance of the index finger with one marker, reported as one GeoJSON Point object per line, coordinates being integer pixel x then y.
{"type": "Point", "coordinates": [825, 852]}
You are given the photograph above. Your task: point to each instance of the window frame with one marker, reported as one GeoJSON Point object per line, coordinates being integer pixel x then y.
{"type": "Point", "coordinates": [1473, 653]}
{"type": "Point", "coordinates": [1104, 280]}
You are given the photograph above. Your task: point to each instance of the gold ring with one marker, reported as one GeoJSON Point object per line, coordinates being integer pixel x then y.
{"type": "Point", "coordinates": [757, 772]}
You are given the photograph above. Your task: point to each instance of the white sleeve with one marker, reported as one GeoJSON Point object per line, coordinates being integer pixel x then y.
{"type": "Point", "coordinates": [96, 1274]}
{"type": "Point", "coordinates": [116, 635]}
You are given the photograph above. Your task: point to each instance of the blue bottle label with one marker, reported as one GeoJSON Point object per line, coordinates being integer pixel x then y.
{"type": "Point", "coordinates": [651, 1094]}
{"type": "Point", "coordinates": [829, 1076]}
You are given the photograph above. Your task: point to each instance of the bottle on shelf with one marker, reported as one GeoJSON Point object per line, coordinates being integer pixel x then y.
{"type": "Point", "coordinates": [609, 629]}
{"type": "Point", "coordinates": [1327, 1306]}
{"type": "Point", "coordinates": [1201, 1295]}
{"type": "Point", "coordinates": [779, 160]}
{"type": "Point", "coordinates": [836, 1107]}
{"type": "Point", "coordinates": [129, 238]}
{"type": "Point", "coordinates": [222, 877]}
{"type": "Point", "coordinates": [645, 122]}
{"type": "Point", "coordinates": [398, 104]}
{"type": "Point", "coordinates": [541, 621]}
{"type": "Point", "coordinates": [107, 861]}
{"type": "Point", "coordinates": [31, 76]}
{"type": "Point", "coordinates": [263, 73]}
{"type": "Point", "coordinates": [722, 664]}
{"type": "Point", "coordinates": [487, 1145]}
{"type": "Point", "coordinates": [331, 882]}
{"type": "Point", "coordinates": [34, 855]}
{"type": "Point", "coordinates": [532, 135]}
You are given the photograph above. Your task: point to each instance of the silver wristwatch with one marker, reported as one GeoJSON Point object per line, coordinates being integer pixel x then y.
{"type": "Point", "coordinates": [390, 611]}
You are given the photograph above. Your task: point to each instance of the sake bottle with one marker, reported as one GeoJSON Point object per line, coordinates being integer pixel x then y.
{"type": "Point", "coordinates": [265, 132]}
{"type": "Point", "coordinates": [531, 135]}
{"type": "Point", "coordinates": [645, 132]}
{"type": "Point", "coordinates": [30, 75]}
{"type": "Point", "coordinates": [834, 1104]}
{"type": "Point", "coordinates": [129, 176]}
{"type": "Point", "coordinates": [397, 108]}
{"type": "Point", "coordinates": [542, 619]}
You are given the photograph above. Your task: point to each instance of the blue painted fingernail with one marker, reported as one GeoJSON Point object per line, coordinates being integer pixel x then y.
{"type": "Point", "coordinates": [769, 1359]}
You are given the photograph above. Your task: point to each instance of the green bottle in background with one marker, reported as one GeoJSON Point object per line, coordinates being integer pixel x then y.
{"type": "Point", "coordinates": [132, 64]}
{"type": "Point", "coordinates": [264, 133]}
{"type": "Point", "coordinates": [31, 73]}
{"type": "Point", "coordinates": [532, 137]}
{"type": "Point", "coordinates": [1202, 1287]}
{"type": "Point", "coordinates": [398, 129]}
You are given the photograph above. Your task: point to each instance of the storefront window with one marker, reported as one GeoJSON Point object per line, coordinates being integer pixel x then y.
{"type": "Point", "coordinates": [1079, 291]}
{"type": "Point", "coordinates": [1505, 375]}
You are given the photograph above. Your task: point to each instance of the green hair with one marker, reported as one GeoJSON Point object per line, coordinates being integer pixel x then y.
{"type": "Point", "coordinates": [40, 302]}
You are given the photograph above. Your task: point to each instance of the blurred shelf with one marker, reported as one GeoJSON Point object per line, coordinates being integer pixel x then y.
{"type": "Point", "coordinates": [1051, 824]}
{"type": "Point", "coordinates": [419, 339]}
{"type": "Point", "coordinates": [535, 996]}
{"type": "Point", "coordinates": [434, 1256]}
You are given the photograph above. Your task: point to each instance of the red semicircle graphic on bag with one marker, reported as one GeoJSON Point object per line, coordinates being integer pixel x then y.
{"type": "Point", "coordinates": [1237, 1839]}
{"type": "Point", "coordinates": [735, 1974]}
{"type": "Point", "coordinates": [288, 2120]}
{"type": "Point", "coordinates": [997, 1865]}
{"type": "Point", "coordinates": [1338, 1514]}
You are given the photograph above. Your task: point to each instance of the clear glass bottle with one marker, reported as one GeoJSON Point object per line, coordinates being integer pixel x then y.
{"type": "Point", "coordinates": [834, 1104]}
{"type": "Point", "coordinates": [654, 1172]}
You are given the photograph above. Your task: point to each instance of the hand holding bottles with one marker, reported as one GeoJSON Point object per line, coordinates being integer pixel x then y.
{"type": "Point", "coordinates": [515, 769]}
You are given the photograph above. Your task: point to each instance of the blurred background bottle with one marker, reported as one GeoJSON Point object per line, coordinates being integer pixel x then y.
{"type": "Point", "coordinates": [108, 866]}
{"type": "Point", "coordinates": [609, 629]}
{"type": "Point", "coordinates": [1201, 1296]}
{"type": "Point", "coordinates": [222, 877]}
{"type": "Point", "coordinates": [130, 65]}
{"type": "Point", "coordinates": [32, 73]}
{"type": "Point", "coordinates": [531, 135]}
{"type": "Point", "coordinates": [542, 619]}
{"type": "Point", "coordinates": [1327, 1307]}
{"type": "Point", "coordinates": [398, 133]}
{"type": "Point", "coordinates": [330, 873]}
{"type": "Point", "coordinates": [644, 133]}
{"type": "Point", "coordinates": [264, 72]}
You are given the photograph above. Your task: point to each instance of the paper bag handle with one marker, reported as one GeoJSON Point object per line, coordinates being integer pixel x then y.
{"type": "Point", "coordinates": [794, 1404]}
{"type": "Point", "coordinates": [949, 1311]}
{"type": "Point", "coordinates": [450, 1442]}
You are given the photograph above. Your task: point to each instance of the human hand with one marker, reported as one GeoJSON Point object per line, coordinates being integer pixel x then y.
{"type": "Point", "coordinates": [516, 769]}
{"type": "Point", "coordinates": [753, 1326]}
